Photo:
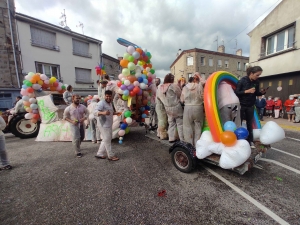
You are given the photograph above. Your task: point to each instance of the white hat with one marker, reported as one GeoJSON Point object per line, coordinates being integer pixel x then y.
{"type": "Point", "coordinates": [95, 97]}
{"type": "Point", "coordinates": [120, 91]}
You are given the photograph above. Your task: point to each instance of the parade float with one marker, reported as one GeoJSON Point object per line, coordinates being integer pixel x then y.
{"type": "Point", "coordinates": [224, 145]}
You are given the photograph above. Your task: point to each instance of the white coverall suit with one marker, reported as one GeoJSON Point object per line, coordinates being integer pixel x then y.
{"type": "Point", "coordinates": [193, 115]}
{"type": "Point", "coordinates": [169, 96]}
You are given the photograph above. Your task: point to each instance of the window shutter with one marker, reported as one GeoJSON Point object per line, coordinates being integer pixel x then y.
{"type": "Point", "coordinates": [42, 38]}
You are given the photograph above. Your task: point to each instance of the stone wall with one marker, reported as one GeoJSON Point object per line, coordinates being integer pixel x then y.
{"type": "Point", "coordinates": [8, 75]}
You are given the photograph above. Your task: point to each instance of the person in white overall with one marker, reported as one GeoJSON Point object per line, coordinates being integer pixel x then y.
{"type": "Point", "coordinates": [193, 115]}
{"type": "Point", "coordinates": [168, 94]}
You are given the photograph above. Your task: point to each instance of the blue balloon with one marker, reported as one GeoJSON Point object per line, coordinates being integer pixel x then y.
{"type": "Point", "coordinates": [241, 133]}
{"type": "Point", "coordinates": [147, 107]}
{"type": "Point", "coordinates": [140, 79]}
{"type": "Point", "coordinates": [126, 92]}
{"type": "Point", "coordinates": [120, 142]}
{"type": "Point", "coordinates": [142, 109]}
{"type": "Point", "coordinates": [144, 115]}
{"type": "Point", "coordinates": [229, 126]}
{"type": "Point", "coordinates": [144, 76]}
{"type": "Point", "coordinates": [24, 86]}
{"type": "Point", "coordinates": [123, 126]}
{"type": "Point", "coordinates": [145, 81]}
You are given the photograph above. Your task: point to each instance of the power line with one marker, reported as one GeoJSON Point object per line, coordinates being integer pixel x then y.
{"type": "Point", "coordinates": [254, 21]}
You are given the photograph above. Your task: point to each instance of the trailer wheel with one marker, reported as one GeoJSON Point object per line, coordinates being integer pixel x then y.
{"type": "Point", "coordinates": [24, 128]}
{"type": "Point", "coordinates": [182, 160]}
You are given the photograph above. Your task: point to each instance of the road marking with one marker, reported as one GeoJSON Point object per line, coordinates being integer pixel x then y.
{"type": "Point", "coordinates": [293, 138]}
{"type": "Point", "coordinates": [248, 197]}
{"type": "Point", "coordinates": [280, 164]}
{"type": "Point", "coordinates": [296, 156]}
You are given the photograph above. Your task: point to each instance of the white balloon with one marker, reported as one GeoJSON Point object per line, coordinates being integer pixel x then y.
{"type": "Point", "coordinates": [271, 133]}
{"type": "Point", "coordinates": [28, 116]}
{"type": "Point", "coordinates": [136, 55]}
{"type": "Point", "coordinates": [127, 82]}
{"type": "Point", "coordinates": [32, 100]}
{"type": "Point", "coordinates": [36, 86]}
{"type": "Point", "coordinates": [136, 83]}
{"type": "Point", "coordinates": [25, 98]}
{"type": "Point", "coordinates": [143, 86]}
{"type": "Point", "coordinates": [256, 134]}
{"type": "Point", "coordinates": [130, 49]}
{"type": "Point", "coordinates": [43, 77]}
{"type": "Point", "coordinates": [147, 69]}
{"type": "Point", "coordinates": [128, 120]}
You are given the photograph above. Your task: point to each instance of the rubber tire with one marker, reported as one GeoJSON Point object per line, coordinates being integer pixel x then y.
{"type": "Point", "coordinates": [185, 153]}
{"type": "Point", "coordinates": [14, 130]}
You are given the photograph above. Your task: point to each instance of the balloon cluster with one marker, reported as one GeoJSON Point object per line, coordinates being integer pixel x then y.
{"type": "Point", "coordinates": [137, 72]}
{"type": "Point", "coordinates": [37, 82]}
{"type": "Point", "coordinates": [100, 70]}
{"type": "Point", "coordinates": [232, 134]}
{"type": "Point", "coordinates": [124, 129]}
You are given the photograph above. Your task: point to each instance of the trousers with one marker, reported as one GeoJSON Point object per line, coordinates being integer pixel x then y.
{"type": "Point", "coordinates": [95, 130]}
{"type": "Point", "coordinates": [3, 154]}
{"type": "Point", "coordinates": [105, 146]}
{"type": "Point", "coordinates": [78, 136]}
{"type": "Point", "coordinates": [247, 113]}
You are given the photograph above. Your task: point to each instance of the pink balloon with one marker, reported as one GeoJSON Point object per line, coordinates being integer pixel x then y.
{"type": "Point", "coordinates": [24, 92]}
{"type": "Point", "coordinates": [136, 83]}
{"type": "Point", "coordinates": [121, 133]}
{"type": "Point", "coordinates": [120, 76]}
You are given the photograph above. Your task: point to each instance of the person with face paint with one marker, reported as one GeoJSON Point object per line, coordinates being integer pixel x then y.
{"type": "Point", "coordinates": [277, 107]}
{"type": "Point", "coordinates": [269, 107]}
{"type": "Point", "coordinates": [297, 110]}
{"type": "Point", "coordinates": [289, 107]}
{"type": "Point", "coordinates": [247, 89]}
{"type": "Point", "coordinates": [76, 114]}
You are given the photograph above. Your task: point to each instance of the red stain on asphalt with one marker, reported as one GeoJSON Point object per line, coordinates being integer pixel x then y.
{"type": "Point", "coordinates": [162, 193]}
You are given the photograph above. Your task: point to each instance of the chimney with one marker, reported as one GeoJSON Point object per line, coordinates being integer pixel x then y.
{"type": "Point", "coordinates": [221, 49]}
{"type": "Point", "coordinates": [179, 52]}
{"type": "Point", "coordinates": [239, 52]}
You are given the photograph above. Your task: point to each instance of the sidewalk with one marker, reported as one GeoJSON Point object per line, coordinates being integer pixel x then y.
{"type": "Point", "coordinates": [284, 123]}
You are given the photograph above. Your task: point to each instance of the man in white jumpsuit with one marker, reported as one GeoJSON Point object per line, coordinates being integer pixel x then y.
{"type": "Point", "coordinates": [168, 95]}
{"type": "Point", "coordinates": [193, 115]}
{"type": "Point", "coordinates": [153, 115]}
{"type": "Point", "coordinates": [93, 120]}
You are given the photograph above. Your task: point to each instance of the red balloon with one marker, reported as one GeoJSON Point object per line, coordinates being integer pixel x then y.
{"type": "Point", "coordinates": [30, 90]}
{"type": "Point", "coordinates": [135, 90]}
{"type": "Point", "coordinates": [132, 93]}
{"type": "Point", "coordinates": [149, 79]}
{"type": "Point", "coordinates": [55, 84]}
{"type": "Point", "coordinates": [119, 83]}
{"type": "Point", "coordinates": [36, 116]}
{"type": "Point", "coordinates": [135, 61]}
{"type": "Point", "coordinates": [146, 112]}
{"type": "Point", "coordinates": [145, 66]}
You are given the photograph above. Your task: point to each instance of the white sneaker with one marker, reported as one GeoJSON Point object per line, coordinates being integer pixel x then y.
{"type": "Point", "coordinates": [252, 145]}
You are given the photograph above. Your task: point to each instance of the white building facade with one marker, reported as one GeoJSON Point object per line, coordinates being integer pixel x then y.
{"type": "Point", "coordinates": [55, 51]}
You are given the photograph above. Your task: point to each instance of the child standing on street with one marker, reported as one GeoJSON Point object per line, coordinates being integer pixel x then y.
{"type": "Point", "coordinates": [269, 107]}
{"type": "Point", "coordinates": [3, 154]}
{"type": "Point", "coordinates": [277, 107]}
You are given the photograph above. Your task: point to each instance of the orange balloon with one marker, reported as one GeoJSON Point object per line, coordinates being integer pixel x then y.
{"type": "Point", "coordinates": [124, 63]}
{"type": "Point", "coordinates": [52, 88]}
{"type": "Point", "coordinates": [25, 103]}
{"type": "Point", "coordinates": [33, 120]}
{"type": "Point", "coordinates": [149, 65]}
{"type": "Point", "coordinates": [139, 50]}
{"type": "Point", "coordinates": [131, 78]}
{"type": "Point", "coordinates": [40, 82]}
{"type": "Point", "coordinates": [228, 138]}
{"type": "Point", "coordinates": [145, 102]}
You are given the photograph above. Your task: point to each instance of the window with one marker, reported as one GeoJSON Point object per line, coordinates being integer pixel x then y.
{"type": "Point", "coordinates": [189, 60]}
{"type": "Point", "coordinates": [245, 67]}
{"type": "Point", "coordinates": [261, 85]}
{"type": "Point", "coordinates": [270, 84]}
{"type": "Point", "coordinates": [238, 65]}
{"type": "Point", "coordinates": [279, 83]}
{"type": "Point", "coordinates": [190, 75]}
{"type": "Point", "coordinates": [280, 41]}
{"type": "Point", "coordinates": [48, 69]}
{"type": "Point", "coordinates": [202, 61]}
{"type": "Point", "coordinates": [83, 75]}
{"type": "Point", "coordinates": [290, 82]}
{"type": "Point", "coordinates": [210, 62]}
{"type": "Point", "coordinates": [203, 75]}
{"type": "Point", "coordinates": [226, 64]}
{"type": "Point", "coordinates": [43, 38]}
{"type": "Point", "coordinates": [81, 48]}
{"type": "Point", "coordinates": [219, 63]}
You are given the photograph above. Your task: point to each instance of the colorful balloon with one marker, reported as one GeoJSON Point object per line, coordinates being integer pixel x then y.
{"type": "Point", "coordinates": [228, 138]}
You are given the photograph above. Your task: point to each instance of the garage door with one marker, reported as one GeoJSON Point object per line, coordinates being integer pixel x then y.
{"type": "Point", "coordinates": [5, 101]}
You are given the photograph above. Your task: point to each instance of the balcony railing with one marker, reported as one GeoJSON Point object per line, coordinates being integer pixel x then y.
{"type": "Point", "coordinates": [83, 54]}
{"type": "Point", "coordinates": [45, 45]}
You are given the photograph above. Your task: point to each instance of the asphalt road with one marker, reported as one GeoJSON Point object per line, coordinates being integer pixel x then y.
{"type": "Point", "coordinates": [49, 185]}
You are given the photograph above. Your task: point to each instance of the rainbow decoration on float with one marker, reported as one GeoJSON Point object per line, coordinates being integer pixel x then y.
{"type": "Point", "coordinates": [211, 103]}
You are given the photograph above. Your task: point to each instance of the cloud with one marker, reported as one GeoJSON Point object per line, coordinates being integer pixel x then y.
{"type": "Point", "coordinates": [162, 27]}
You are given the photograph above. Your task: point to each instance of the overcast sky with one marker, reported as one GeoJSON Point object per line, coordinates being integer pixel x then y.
{"type": "Point", "coordinates": [160, 26]}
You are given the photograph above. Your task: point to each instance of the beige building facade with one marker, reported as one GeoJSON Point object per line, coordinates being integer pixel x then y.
{"type": "Point", "coordinates": [274, 47]}
{"type": "Point", "coordinates": [207, 62]}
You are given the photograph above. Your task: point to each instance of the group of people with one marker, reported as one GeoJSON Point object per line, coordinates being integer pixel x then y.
{"type": "Point", "coordinates": [274, 107]}
{"type": "Point", "coordinates": [180, 109]}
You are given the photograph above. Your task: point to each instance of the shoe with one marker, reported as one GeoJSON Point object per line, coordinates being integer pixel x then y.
{"type": "Point", "coordinates": [252, 145]}
{"type": "Point", "coordinates": [98, 141]}
{"type": "Point", "coordinates": [79, 155]}
{"type": "Point", "coordinates": [114, 158]}
{"type": "Point", "coordinates": [8, 167]}
{"type": "Point", "coordinates": [94, 142]}
{"type": "Point", "coordinates": [100, 157]}
{"type": "Point", "coordinates": [173, 141]}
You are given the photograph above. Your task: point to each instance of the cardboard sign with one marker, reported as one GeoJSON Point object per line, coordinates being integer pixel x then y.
{"type": "Point", "coordinates": [55, 131]}
{"type": "Point", "coordinates": [47, 109]}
